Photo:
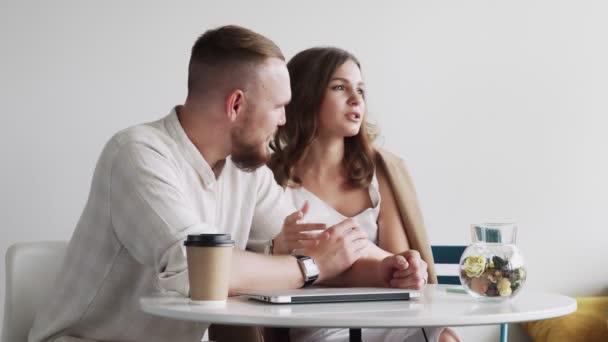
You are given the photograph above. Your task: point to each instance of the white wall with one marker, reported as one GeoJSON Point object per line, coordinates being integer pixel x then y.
{"type": "Point", "coordinates": [497, 106]}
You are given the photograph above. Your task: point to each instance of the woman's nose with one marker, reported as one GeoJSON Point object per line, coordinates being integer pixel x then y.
{"type": "Point", "coordinates": [282, 118]}
{"type": "Point", "coordinates": [355, 99]}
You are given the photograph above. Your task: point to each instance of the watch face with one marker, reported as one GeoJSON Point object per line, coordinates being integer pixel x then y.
{"type": "Point", "coordinates": [311, 268]}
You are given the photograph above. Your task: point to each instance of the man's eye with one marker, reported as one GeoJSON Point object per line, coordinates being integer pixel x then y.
{"type": "Point", "coordinates": [361, 91]}
{"type": "Point", "coordinates": [338, 87]}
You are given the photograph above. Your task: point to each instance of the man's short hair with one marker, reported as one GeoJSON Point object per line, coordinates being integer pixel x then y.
{"type": "Point", "coordinates": [225, 49]}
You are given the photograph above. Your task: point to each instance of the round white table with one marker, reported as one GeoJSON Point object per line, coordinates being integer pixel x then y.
{"type": "Point", "coordinates": [435, 308]}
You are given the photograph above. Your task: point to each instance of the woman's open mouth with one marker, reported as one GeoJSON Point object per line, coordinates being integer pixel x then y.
{"type": "Point", "coordinates": [354, 116]}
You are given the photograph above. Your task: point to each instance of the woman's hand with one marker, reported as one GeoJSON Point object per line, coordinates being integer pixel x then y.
{"type": "Point", "coordinates": [296, 235]}
{"type": "Point", "coordinates": [406, 270]}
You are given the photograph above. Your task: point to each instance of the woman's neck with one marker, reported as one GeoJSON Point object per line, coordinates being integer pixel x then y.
{"type": "Point", "coordinates": [323, 161]}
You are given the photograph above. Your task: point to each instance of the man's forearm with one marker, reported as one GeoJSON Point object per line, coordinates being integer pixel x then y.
{"type": "Point", "coordinates": [253, 271]}
{"type": "Point", "coordinates": [365, 272]}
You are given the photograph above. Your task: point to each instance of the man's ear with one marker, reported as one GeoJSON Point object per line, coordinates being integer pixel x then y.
{"type": "Point", "coordinates": [235, 102]}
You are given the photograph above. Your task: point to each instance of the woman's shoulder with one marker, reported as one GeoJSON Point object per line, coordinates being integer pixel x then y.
{"type": "Point", "coordinates": [387, 157]}
{"type": "Point", "coordinates": [391, 165]}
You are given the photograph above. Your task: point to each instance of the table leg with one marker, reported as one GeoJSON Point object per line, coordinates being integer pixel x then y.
{"type": "Point", "coordinates": [354, 335]}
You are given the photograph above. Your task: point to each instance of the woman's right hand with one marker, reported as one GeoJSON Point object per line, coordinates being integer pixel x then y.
{"type": "Point", "coordinates": [296, 235]}
{"type": "Point", "coordinates": [405, 271]}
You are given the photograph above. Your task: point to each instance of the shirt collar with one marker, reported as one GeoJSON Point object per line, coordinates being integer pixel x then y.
{"type": "Point", "coordinates": [188, 150]}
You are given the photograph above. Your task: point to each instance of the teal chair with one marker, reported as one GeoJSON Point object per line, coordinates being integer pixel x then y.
{"type": "Point", "coordinates": [450, 255]}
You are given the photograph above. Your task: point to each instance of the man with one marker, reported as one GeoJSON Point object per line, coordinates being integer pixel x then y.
{"type": "Point", "coordinates": [194, 171]}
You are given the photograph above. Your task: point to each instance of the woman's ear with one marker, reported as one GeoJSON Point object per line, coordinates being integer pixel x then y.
{"type": "Point", "coordinates": [234, 104]}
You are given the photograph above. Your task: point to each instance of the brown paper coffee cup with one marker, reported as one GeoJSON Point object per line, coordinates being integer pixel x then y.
{"type": "Point", "coordinates": [209, 261]}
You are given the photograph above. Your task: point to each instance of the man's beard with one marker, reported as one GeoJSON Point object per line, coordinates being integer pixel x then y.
{"type": "Point", "coordinates": [248, 156]}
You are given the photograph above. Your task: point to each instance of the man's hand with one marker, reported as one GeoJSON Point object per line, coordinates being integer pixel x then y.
{"type": "Point", "coordinates": [296, 235]}
{"type": "Point", "coordinates": [338, 248]}
{"type": "Point", "coordinates": [406, 270]}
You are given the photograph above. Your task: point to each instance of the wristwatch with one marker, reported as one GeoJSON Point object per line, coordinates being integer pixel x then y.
{"type": "Point", "coordinates": [269, 248]}
{"type": "Point", "coordinates": [309, 269]}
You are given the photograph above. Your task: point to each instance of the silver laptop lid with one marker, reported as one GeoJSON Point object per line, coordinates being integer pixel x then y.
{"type": "Point", "coordinates": [325, 294]}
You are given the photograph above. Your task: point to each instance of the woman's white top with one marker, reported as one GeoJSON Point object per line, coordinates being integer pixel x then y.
{"type": "Point", "coordinates": [321, 212]}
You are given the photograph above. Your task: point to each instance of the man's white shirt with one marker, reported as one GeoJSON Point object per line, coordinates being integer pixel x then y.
{"type": "Point", "coordinates": [151, 188]}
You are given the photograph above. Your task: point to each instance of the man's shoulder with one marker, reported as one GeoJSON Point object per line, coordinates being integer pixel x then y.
{"type": "Point", "coordinates": [146, 133]}
{"type": "Point", "coordinates": [142, 137]}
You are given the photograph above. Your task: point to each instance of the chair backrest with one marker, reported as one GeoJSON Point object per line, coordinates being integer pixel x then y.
{"type": "Point", "coordinates": [447, 255]}
{"type": "Point", "coordinates": [31, 269]}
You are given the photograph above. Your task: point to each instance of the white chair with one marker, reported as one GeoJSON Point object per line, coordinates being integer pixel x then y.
{"type": "Point", "coordinates": [31, 269]}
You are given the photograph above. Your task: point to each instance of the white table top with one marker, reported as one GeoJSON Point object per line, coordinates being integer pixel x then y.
{"type": "Point", "coordinates": [436, 308]}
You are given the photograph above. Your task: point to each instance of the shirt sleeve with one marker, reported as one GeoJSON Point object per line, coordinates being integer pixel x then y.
{"type": "Point", "coordinates": [151, 213]}
{"type": "Point", "coordinates": [272, 206]}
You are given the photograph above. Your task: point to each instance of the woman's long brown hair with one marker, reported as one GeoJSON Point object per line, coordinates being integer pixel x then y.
{"type": "Point", "coordinates": [310, 72]}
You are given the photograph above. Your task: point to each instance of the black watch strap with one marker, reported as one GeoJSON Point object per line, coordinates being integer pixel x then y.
{"type": "Point", "coordinates": [310, 281]}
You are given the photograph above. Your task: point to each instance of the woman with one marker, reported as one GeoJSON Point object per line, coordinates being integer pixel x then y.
{"type": "Point", "coordinates": [324, 157]}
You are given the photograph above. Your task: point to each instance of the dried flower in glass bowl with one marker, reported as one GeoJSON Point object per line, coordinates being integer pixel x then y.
{"type": "Point", "coordinates": [492, 267]}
